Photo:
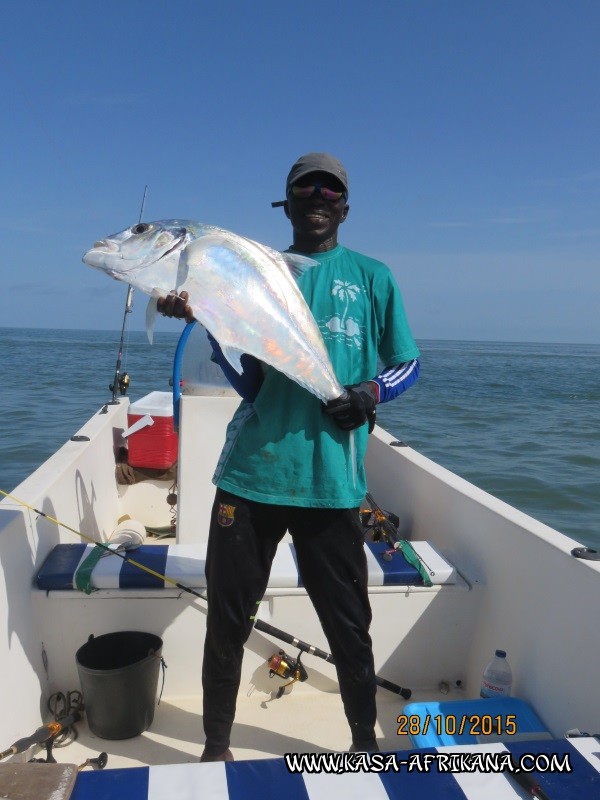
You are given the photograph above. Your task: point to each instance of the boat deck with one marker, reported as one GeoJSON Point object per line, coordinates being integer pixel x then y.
{"type": "Point", "coordinates": [300, 721]}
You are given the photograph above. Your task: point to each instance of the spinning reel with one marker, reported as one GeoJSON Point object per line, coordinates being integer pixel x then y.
{"type": "Point", "coordinates": [285, 667]}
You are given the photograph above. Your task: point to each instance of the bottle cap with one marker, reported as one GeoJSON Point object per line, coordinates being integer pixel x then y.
{"type": "Point", "coordinates": [501, 653]}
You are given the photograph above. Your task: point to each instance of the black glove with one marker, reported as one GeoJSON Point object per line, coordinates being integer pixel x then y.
{"type": "Point", "coordinates": [355, 407]}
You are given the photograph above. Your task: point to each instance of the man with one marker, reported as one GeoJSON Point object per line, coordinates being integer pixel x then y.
{"type": "Point", "coordinates": [287, 463]}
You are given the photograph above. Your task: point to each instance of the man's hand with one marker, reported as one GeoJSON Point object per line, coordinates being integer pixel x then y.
{"type": "Point", "coordinates": [355, 407]}
{"type": "Point", "coordinates": [175, 305]}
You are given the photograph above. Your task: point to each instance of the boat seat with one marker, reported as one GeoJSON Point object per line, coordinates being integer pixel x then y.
{"type": "Point", "coordinates": [184, 563]}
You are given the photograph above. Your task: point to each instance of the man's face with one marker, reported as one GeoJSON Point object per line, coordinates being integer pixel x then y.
{"type": "Point", "coordinates": [314, 219]}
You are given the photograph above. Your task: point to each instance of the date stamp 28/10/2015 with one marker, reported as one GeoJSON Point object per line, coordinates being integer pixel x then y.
{"type": "Point", "coordinates": [457, 725]}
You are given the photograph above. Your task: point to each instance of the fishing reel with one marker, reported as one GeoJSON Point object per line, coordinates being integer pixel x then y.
{"type": "Point", "coordinates": [122, 384]}
{"type": "Point", "coordinates": [285, 667]}
{"type": "Point", "coordinates": [380, 525]}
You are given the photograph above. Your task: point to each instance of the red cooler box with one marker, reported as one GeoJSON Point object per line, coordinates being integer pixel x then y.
{"type": "Point", "coordinates": [154, 444]}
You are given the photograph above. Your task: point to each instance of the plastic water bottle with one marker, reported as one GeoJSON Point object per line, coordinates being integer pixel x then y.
{"type": "Point", "coordinates": [496, 680]}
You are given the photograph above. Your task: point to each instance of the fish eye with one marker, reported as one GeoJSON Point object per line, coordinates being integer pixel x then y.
{"type": "Point", "coordinates": [141, 227]}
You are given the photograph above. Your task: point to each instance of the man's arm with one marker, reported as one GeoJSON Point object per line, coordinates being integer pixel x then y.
{"type": "Point", "coordinates": [357, 405]}
{"type": "Point", "coordinates": [392, 381]}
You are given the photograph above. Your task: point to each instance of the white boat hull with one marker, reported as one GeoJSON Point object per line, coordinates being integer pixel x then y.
{"type": "Point", "coordinates": [518, 588]}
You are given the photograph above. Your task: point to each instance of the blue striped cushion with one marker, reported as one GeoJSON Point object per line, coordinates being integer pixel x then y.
{"type": "Point", "coordinates": [184, 563]}
{"type": "Point", "coordinates": [255, 780]}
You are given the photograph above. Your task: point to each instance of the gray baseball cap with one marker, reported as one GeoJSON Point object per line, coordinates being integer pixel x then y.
{"type": "Point", "coordinates": [315, 162]}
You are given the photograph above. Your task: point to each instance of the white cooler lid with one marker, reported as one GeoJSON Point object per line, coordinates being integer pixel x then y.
{"type": "Point", "coordinates": [157, 404]}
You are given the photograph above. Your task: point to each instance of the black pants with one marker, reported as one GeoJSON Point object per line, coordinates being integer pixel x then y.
{"type": "Point", "coordinates": [329, 547]}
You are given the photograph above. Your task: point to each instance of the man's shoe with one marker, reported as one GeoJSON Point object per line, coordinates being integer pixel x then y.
{"type": "Point", "coordinates": [226, 755]}
{"type": "Point", "coordinates": [368, 747]}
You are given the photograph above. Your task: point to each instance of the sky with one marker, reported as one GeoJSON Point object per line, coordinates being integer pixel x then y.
{"type": "Point", "coordinates": [470, 130]}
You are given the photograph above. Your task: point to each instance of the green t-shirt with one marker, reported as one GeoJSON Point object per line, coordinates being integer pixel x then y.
{"type": "Point", "coordinates": [282, 449]}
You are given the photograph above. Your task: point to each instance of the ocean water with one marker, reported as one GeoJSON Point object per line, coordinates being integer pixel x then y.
{"type": "Point", "coordinates": [520, 420]}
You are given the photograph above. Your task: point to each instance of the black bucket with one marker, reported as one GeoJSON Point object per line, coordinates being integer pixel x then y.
{"type": "Point", "coordinates": [118, 673]}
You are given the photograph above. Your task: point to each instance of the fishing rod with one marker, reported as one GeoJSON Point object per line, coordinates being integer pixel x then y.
{"type": "Point", "coordinates": [386, 528]}
{"type": "Point", "coordinates": [43, 735]}
{"type": "Point", "coordinates": [121, 382]}
{"type": "Point", "coordinates": [530, 784]}
{"type": "Point", "coordinates": [315, 651]}
{"type": "Point", "coordinates": [259, 625]}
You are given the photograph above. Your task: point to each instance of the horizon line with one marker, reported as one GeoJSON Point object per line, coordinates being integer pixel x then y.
{"type": "Point", "coordinates": [417, 338]}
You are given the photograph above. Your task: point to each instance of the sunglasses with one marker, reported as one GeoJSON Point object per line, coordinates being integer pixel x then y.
{"type": "Point", "coordinates": [304, 192]}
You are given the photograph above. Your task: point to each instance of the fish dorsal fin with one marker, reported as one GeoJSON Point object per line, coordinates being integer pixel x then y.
{"type": "Point", "coordinates": [298, 264]}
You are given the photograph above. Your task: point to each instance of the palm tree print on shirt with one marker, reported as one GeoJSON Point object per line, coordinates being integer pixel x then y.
{"type": "Point", "coordinates": [346, 292]}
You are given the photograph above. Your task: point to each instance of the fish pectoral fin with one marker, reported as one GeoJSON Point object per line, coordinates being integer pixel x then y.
{"type": "Point", "coordinates": [151, 311]}
{"type": "Point", "coordinates": [234, 357]}
{"type": "Point", "coordinates": [298, 264]}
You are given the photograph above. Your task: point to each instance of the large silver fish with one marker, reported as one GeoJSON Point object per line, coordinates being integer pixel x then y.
{"type": "Point", "coordinates": [241, 291]}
